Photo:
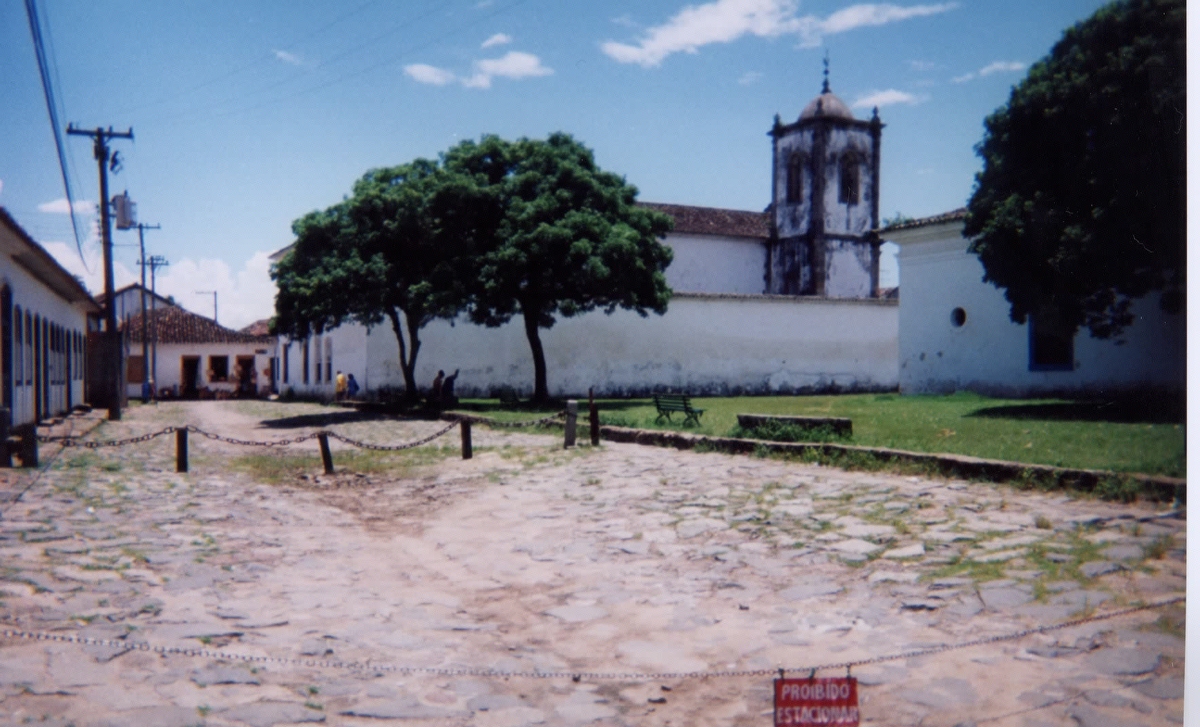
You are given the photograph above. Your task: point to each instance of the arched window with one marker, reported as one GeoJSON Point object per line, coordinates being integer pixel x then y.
{"type": "Point", "coordinates": [849, 178]}
{"type": "Point", "coordinates": [317, 357]}
{"type": "Point", "coordinates": [795, 178]}
{"type": "Point", "coordinates": [18, 347]}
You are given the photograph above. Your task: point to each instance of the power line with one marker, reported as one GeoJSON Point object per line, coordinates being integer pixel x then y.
{"type": "Point", "coordinates": [259, 60]}
{"type": "Point", "coordinates": [39, 50]}
{"type": "Point", "coordinates": [435, 40]}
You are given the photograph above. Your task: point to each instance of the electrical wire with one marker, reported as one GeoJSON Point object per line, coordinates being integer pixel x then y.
{"type": "Point", "coordinates": [433, 41]}
{"type": "Point", "coordinates": [44, 70]}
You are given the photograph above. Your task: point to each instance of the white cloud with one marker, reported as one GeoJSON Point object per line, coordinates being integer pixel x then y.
{"type": "Point", "coordinates": [1, 186]}
{"type": "Point", "coordinates": [424, 73]}
{"type": "Point", "coordinates": [724, 21]}
{"type": "Point", "coordinates": [514, 65]}
{"type": "Point", "coordinates": [749, 77]}
{"type": "Point", "coordinates": [889, 97]}
{"type": "Point", "coordinates": [869, 15]}
{"type": "Point", "coordinates": [497, 39]}
{"type": "Point", "coordinates": [242, 297]}
{"type": "Point", "coordinates": [1001, 67]}
{"type": "Point", "coordinates": [61, 207]}
{"type": "Point", "coordinates": [290, 58]}
{"type": "Point", "coordinates": [922, 65]}
{"type": "Point", "coordinates": [989, 69]}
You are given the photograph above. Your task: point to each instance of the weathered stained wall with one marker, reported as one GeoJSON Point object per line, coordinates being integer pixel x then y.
{"type": "Point", "coordinates": [989, 353]}
{"type": "Point", "coordinates": [702, 345]}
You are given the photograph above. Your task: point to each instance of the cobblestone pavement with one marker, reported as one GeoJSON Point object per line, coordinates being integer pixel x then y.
{"type": "Point", "coordinates": [528, 557]}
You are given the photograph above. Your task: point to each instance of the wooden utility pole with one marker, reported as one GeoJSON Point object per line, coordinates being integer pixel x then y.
{"type": "Point", "coordinates": [100, 139]}
{"type": "Point", "coordinates": [145, 339]}
{"type": "Point", "coordinates": [155, 262]}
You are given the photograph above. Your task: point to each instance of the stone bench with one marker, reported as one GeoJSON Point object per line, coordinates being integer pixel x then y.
{"type": "Point", "coordinates": [840, 426]}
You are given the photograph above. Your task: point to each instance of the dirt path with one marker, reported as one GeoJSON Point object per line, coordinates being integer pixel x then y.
{"type": "Point", "coordinates": [528, 558]}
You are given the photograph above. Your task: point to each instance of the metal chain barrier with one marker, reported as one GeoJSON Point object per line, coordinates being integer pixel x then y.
{"type": "Point", "coordinates": [72, 441]}
{"type": "Point", "coordinates": [518, 425]}
{"type": "Point", "coordinates": [250, 442]}
{"type": "Point", "coordinates": [15, 633]}
{"type": "Point", "coordinates": [390, 447]}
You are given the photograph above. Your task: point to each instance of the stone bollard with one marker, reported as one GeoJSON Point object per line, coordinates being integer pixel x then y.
{"type": "Point", "coordinates": [5, 426]}
{"type": "Point", "coordinates": [569, 429]}
{"type": "Point", "coordinates": [465, 424]}
{"type": "Point", "coordinates": [181, 460]}
{"type": "Point", "coordinates": [326, 455]}
{"type": "Point", "coordinates": [593, 419]}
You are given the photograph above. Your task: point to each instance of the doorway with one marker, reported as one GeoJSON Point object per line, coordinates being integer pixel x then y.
{"type": "Point", "coordinates": [189, 375]}
{"type": "Point", "coordinates": [246, 376]}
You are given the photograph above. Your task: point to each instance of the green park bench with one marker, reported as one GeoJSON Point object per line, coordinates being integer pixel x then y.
{"type": "Point", "coordinates": [668, 404]}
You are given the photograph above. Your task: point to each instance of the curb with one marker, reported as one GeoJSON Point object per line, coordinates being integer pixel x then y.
{"type": "Point", "coordinates": [1155, 487]}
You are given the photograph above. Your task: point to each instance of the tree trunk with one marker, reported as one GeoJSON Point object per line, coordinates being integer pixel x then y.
{"type": "Point", "coordinates": [407, 362]}
{"type": "Point", "coordinates": [541, 393]}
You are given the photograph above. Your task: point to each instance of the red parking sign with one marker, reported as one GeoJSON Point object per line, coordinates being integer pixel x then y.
{"type": "Point", "coordinates": [828, 701]}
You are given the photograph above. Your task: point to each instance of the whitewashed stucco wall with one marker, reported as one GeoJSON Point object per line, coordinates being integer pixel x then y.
{"type": "Point", "coordinates": [170, 365]}
{"type": "Point", "coordinates": [702, 345]}
{"type": "Point", "coordinates": [716, 264]}
{"type": "Point", "coordinates": [989, 353]}
{"type": "Point", "coordinates": [348, 346]}
{"type": "Point", "coordinates": [31, 295]}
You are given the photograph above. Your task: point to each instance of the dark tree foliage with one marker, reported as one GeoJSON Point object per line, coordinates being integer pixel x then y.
{"type": "Point", "coordinates": [554, 235]}
{"type": "Point", "coordinates": [393, 250]}
{"type": "Point", "coordinates": [1080, 207]}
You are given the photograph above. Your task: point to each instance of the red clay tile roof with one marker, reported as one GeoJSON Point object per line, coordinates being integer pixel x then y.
{"type": "Point", "coordinates": [176, 325]}
{"type": "Point", "coordinates": [715, 221]}
{"type": "Point", "coordinates": [258, 328]}
{"type": "Point", "coordinates": [951, 216]}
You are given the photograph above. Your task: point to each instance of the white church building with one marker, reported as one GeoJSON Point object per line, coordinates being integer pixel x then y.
{"type": "Point", "coordinates": [782, 301]}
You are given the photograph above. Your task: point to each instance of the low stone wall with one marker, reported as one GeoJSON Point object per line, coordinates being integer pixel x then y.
{"type": "Point", "coordinates": [838, 425]}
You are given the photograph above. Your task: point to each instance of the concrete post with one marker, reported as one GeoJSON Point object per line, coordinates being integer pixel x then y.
{"type": "Point", "coordinates": [569, 429]}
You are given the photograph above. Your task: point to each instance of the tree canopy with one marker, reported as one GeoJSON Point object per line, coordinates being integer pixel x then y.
{"type": "Point", "coordinates": [1080, 206]}
{"type": "Point", "coordinates": [554, 235]}
{"type": "Point", "coordinates": [393, 250]}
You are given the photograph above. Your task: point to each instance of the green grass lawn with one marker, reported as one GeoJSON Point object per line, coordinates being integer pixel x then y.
{"type": "Point", "coordinates": [1131, 436]}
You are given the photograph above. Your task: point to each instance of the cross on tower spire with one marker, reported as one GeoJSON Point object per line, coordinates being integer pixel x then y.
{"type": "Point", "coordinates": [825, 85]}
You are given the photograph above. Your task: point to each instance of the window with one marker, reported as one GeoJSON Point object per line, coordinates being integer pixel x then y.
{"type": "Point", "coordinates": [958, 317]}
{"type": "Point", "coordinates": [795, 179]}
{"type": "Point", "coordinates": [287, 349]}
{"type": "Point", "coordinates": [18, 347]}
{"type": "Point", "coordinates": [328, 358]}
{"type": "Point", "coordinates": [1051, 342]}
{"type": "Point", "coordinates": [305, 360]}
{"type": "Point", "coordinates": [218, 368]}
{"type": "Point", "coordinates": [28, 348]}
{"type": "Point", "coordinates": [317, 356]}
{"type": "Point", "coordinates": [849, 179]}
{"type": "Point", "coordinates": [135, 369]}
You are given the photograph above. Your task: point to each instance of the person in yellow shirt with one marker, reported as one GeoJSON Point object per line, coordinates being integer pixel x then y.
{"type": "Point", "coordinates": [339, 386]}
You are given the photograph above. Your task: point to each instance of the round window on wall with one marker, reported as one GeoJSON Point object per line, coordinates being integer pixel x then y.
{"type": "Point", "coordinates": [958, 317]}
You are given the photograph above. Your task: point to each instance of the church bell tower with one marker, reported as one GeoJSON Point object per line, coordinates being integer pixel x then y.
{"type": "Point", "coordinates": [825, 202]}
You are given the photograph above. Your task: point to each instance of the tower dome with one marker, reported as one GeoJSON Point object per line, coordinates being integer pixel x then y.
{"type": "Point", "coordinates": [826, 104]}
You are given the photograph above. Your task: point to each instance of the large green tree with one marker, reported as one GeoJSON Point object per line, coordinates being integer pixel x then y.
{"type": "Point", "coordinates": [1079, 207]}
{"type": "Point", "coordinates": [554, 236]}
{"type": "Point", "coordinates": [393, 250]}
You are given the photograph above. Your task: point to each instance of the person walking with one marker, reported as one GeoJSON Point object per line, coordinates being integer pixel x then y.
{"type": "Point", "coordinates": [351, 386]}
{"type": "Point", "coordinates": [435, 393]}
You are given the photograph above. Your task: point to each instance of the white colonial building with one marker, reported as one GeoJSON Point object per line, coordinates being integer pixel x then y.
{"type": "Point", "coordinates": [955, 332]}
{"type": "Point", "coordinates": [193, 357]}
{"type": "Point", "coordinates": [43, 329]}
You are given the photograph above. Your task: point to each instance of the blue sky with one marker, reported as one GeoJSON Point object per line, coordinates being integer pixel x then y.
{"type": "Point", "coordinates": [248, 115]}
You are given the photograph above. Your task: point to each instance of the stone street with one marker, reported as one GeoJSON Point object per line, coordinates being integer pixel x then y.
{"type": "Point", "coordinates": [529, 558]}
